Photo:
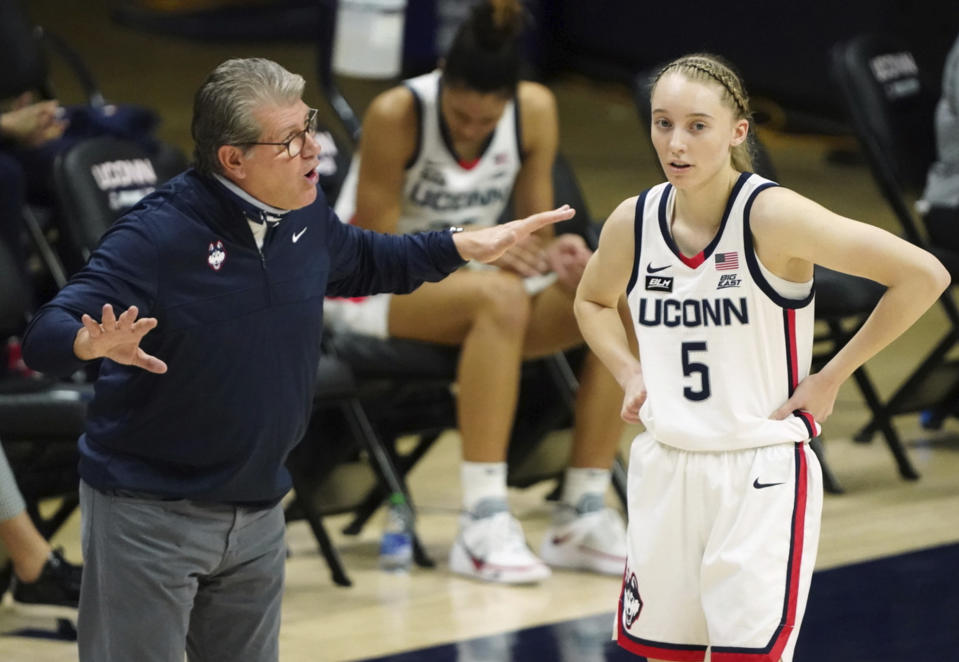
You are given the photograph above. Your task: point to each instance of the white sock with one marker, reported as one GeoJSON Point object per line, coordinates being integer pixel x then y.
{"type": "Point", "coordinates": [580, 481]}
{"type": "Point", "coordinates": [482, 480]}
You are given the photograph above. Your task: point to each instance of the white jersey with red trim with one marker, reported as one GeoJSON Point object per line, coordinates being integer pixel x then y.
{"type": "Point", "coordinates": [723, 341]}
{"type": "Point", "coordinates": [439, 190]}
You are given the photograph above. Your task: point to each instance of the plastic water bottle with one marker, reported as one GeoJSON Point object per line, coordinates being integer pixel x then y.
{"type": "Point", "coordinates": [396, 546]}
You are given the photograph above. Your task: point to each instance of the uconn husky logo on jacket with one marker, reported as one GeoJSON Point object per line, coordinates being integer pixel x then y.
{"type": "Point", "coordinates": [690, 311]}
{"type": "Point", "coordinates": [217, 254]}
{"type": "Point", "coordinates": [439, 190]}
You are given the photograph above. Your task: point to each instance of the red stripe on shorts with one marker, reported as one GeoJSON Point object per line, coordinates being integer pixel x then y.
{"type": "Point", "coordinates": [774, 650]}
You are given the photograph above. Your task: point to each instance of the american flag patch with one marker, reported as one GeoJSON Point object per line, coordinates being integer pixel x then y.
{"type": "Point", "coordinates": [727, 261]}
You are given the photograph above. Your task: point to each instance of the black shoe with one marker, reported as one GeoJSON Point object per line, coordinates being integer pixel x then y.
{"type": "Point", "coordinates": [55, 593]}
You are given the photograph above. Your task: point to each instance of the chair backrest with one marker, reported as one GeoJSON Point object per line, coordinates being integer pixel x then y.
{"type": "Point", "coordinates": [14, 301]}
{"type": "Point", "coordinates": [97, 181]}
{"type": "Point", "coordinates": [334, 163]}
{"type": "Point", "coordinates": [890, 106]}
{"type": "Point", "coordinates": [21, 56]}
{"type": "Point", "coordinates": [24, 57]}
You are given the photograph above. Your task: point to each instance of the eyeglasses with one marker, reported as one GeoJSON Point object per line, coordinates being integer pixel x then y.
{"type": "Point", "coordinates": [297, 141]}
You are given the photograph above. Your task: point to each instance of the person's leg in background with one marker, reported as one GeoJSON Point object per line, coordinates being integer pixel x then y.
{"type": "Point", "coordinates": [584, 533]}
{"type": "Point", "coordinates": [43, 583]}
{"type": "Point", "coordinates": [485, 313]}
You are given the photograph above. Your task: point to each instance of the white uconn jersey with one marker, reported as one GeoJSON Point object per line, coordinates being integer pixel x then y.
{"type": "Point", "coordinates": [723, 341]}
{"type": "Point", "coordinates": [438, 190]}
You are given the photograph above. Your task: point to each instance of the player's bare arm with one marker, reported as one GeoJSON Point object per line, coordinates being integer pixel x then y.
{"type": "Point", "coordinates": [793, 233]}
{"type": "Point", "coordinates": [539, 125]}
{"type": "Point", "coordinates": [533, 189]}
{"type": "Point", "coordinates": [566, 254]}
{"type": "Point", "coordinates": [596, 306]}
{"type": "Point", "coordinates": [389, 138]}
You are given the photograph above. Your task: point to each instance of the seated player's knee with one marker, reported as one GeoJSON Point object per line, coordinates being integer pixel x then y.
{"type": "Point", "coordinates": [503, 299]}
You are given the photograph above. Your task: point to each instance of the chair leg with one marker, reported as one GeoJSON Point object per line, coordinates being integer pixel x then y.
{"type": "Point", "coordinates": [44, 250]}
{"type": "Point", "coordinates": [564, 378]}
{"type": "Point", "coordinates": [384, 468]}
{"type": "Point", "coordinates": [363, 512]}
{"type": "Point", "coordinates": [420, 557]}
{"type": "Point", "coordinates": [829, 480]}
{"type": "Point", "coordinates": [327, 549]}
{"type": "Point", "coordinates": [47, 526]}
{"type": "Point", "coordinates": [935, 358]}
{"type": "Point", "coordinates": [377, 495]}
{"type": "Point", "coordinates": [882, 420]}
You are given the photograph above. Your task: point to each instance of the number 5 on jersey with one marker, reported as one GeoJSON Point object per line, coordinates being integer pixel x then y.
{"type": "Point", "coordinates": [692, 368]}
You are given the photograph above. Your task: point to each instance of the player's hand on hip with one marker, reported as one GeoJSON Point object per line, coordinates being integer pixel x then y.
{"type": "Point", "coordinates": [488, 244]}
{"type": "Point", "coordinates": [815, 395]}
{"type": "Point", "coordinates": [634, 395]}
{"type": "Point", "coordinates": [117, 338]}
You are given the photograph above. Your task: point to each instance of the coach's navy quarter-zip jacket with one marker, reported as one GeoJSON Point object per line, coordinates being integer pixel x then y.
{"type": "Point", "coordinates": [239, 329]}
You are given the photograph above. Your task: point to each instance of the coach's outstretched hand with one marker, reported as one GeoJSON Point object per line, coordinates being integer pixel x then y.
{"type": "Point", "coordinates": [117, 338]}
{"type": "Point", "coordinates": [490, 243]}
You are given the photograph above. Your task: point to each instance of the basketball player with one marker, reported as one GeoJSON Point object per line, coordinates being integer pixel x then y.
{"type": "Point", "coordinates": [725, 495]}
{"type": "Point", "coordinates": [447, 148]}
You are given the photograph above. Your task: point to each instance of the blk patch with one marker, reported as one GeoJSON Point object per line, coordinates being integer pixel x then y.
{"type": "Point", "coordinates": [659, 283]}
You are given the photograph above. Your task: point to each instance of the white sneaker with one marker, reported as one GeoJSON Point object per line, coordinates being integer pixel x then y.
{"type": "Point", "coordinates": [589, 537]}
{"type": "Point", "coordinates": [491, 546]}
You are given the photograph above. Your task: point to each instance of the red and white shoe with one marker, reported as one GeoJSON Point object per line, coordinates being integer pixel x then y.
{"type": "Point", "coordinates": [589, 537]}
{"type": "Point", "coordinates": [491, 546]}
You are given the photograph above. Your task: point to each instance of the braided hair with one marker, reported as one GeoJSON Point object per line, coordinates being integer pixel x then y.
{"type": "Point", "coordinates": [709, 67]}
{"type": "Point", "coordinates": [485, 55]}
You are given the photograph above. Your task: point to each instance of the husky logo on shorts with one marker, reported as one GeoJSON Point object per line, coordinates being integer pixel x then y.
{"type": "Point", "coordinates": [632, 603]}
{"type": "Point", "coordinates": [217, 255]}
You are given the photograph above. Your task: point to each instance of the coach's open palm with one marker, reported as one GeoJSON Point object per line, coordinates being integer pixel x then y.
{"type": "Point", "coordinates": [117, 339]}
{"type": "Point", "coordinates": [488, 244]}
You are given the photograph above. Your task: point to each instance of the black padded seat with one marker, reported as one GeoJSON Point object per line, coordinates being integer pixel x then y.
{"type": "Point", "coordinates": [42, 409]}
{"type": "Point", "coordinates": [840, 295]}
{"type": "Point", "coordinates": [375, 358]}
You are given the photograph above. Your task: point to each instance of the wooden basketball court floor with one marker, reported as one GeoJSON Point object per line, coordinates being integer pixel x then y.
{"type": "Point", "coordinates": [880, 516]}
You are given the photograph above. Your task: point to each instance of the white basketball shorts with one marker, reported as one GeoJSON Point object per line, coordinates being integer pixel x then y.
{"type": "Point", "coordinates": [721, 549]}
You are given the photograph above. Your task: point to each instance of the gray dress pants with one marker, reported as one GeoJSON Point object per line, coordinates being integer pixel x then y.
{"type": "Point", "coordinates": [164, 576]}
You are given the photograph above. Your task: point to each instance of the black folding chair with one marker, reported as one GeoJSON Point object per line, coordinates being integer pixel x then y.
{"type": "Point", "coordinates": [97, 181]}
{"type": "Point", "coordinates": [890, 105]}
{"type": "Point", "coordinates": [26, 53]}
{"type": "Point", "coordinates": [41, 417]}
